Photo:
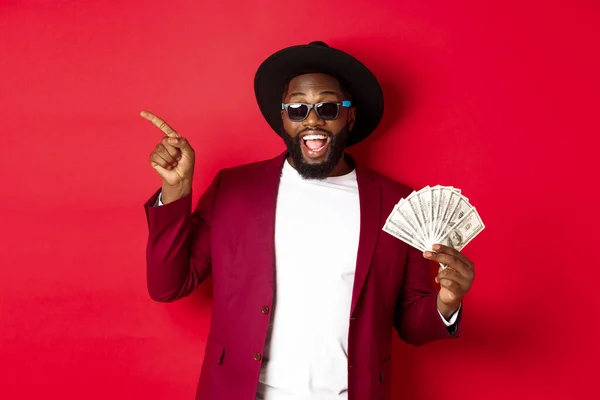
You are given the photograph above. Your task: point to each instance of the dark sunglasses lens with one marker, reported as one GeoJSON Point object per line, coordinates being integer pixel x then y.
{"type": "Point", "coordinates": [297, 112]}
{"type": "Point", "coordinates": [328, 110]}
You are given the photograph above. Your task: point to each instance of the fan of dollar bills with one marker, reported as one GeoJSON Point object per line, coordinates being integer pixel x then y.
{"type": "Point", "coordinates": [439, 214]}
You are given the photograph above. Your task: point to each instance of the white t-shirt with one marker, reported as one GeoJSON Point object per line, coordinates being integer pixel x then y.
{"type": "Point", "coordinates": [316, 241]}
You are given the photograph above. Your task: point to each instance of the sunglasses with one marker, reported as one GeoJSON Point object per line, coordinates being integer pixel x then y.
{"type": "Point", "coordinates": [326, 110]}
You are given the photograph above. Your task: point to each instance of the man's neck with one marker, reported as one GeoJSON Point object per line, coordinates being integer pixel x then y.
{"type": "Point", "coordinates": [343, 167]}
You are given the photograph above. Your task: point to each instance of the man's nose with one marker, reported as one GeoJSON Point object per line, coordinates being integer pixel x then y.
{"type": "Point", "coordinates": [313, 119]}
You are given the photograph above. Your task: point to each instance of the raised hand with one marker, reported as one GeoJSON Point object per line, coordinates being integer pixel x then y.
{"type": "Point", "coordinates": [173, 159]}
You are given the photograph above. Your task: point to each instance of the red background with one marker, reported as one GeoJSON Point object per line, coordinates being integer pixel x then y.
{"type": "Point", "coordinates": [500, 100]}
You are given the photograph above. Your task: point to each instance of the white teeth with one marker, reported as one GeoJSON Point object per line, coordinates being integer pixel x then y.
{"type": "Point", "coordinates": [314, 137]}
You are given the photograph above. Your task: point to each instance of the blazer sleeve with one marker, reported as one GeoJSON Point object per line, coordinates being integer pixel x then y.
{"type": "Point", "coordinates": [416, 318]}
{"type": "Point", "coordinates": [178, 248]}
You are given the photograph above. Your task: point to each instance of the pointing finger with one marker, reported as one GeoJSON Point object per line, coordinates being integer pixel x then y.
{"type": "Point", "coordinates": [160, 124]}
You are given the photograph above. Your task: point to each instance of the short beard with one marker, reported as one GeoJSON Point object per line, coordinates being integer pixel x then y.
{"type": "Point", "coordinates": [321, 170]}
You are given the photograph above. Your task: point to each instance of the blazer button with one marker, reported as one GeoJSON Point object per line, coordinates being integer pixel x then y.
{"type": "Point", "coordinates": [257, 357]}
{"type": "Point", "coordinates": [265, 310]}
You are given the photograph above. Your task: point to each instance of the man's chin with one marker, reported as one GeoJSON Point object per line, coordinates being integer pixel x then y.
{"type": "Point", "coordinates": [314, 160]}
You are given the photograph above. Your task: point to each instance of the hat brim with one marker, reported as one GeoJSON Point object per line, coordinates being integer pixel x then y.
{"type": "Point", "coordinates": [279, 68]}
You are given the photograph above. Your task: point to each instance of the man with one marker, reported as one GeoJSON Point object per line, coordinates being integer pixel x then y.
{"type": "Point", "coordinates": [307, 287]}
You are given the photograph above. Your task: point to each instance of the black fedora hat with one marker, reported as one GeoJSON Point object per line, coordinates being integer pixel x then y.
{"type": "Point", "coordinates": [317, 57]}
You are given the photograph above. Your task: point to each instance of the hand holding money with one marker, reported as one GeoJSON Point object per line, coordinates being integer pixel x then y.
{"type": "Point", "coordinates": [439, 221]}
{"type": "Point", "coordinates": [455, 279]}
{"type": "Point", "coordinates": [173, 159]}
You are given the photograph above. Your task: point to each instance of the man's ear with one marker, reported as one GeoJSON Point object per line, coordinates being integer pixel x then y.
{"type": "Point", "coordinates": [351, 117]}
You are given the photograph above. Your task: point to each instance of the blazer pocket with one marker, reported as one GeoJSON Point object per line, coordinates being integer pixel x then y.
{"type": "Point", "coordinates": [215, 352]}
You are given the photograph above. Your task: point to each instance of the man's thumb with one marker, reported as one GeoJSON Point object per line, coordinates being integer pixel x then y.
{"type": "Point", "coordinates": [179, 142]}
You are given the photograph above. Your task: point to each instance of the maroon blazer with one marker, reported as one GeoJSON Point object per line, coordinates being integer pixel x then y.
{"type": "Point", "coordinates": [230, 235]}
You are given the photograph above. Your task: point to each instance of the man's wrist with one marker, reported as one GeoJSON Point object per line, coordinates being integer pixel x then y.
{"type": "Point", "coordinates": [170, 193]}
{"type": "Point", "coordinates": [447, 310]}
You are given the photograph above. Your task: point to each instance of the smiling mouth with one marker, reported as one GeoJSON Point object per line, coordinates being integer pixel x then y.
{"type": "Point", "coordinates": [315, 144]}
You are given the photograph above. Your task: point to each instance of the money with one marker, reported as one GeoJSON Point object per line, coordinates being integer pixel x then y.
{"type": "Point", "coordinates": [434, 215]}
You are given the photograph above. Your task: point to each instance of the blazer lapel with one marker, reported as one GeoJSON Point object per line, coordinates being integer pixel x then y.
{"type": "Point", "coordinates": [264, 200]}
{"type": "Point", "coordinates": [369, 193]}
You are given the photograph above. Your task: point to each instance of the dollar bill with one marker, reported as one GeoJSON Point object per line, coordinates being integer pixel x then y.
{"type": "Point", "coordinates": [410, 211]}
{"type": "Point", "coordinates": [444, 197]}
{"type": "Point", "coordinates": [460, 210]}
{"type": "Point", "coordinates": [402, 219]}
{"type": "Point", "coordinates": [437, 214]}
{"type": "Point", "coordinates": [435, 200]}
{"type": "Point", "coordinates": [418, 209]}
{"type": "Point", "coordinates": [427, 210]}
{"type": "Point", "coordinates": [464, 231]}
{"type": "Point", "coordinates": [402, 235]}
